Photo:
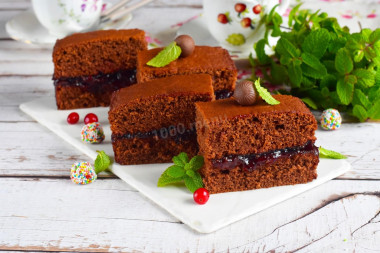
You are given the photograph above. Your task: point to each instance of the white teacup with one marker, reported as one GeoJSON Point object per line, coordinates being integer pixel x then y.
{"type": "Point", "coordinates": [63, 17]}
{"type": "Point", "coordinates": [235, 24]}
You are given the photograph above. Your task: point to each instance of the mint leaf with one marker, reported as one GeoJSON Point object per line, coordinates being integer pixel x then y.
{"type": "Point", "coordinates": [312, 67]}
{"type": "Point", "coordinates": [370, 52]}
{"type": "Point", "coordinates": [316, 42]}
{"type": "Point", "coordinates": [198, 179]}
{"type": "Point", "coordinates": [260, 52]}
{"type": "Point", "coordinates": [365, 78]}
{"type": "Point", "coordinates": [183, 158]}
{"type": "Point", "coordinates": [264, 94]}
{"type": "Point", "coordinates": [310, 103]}
{"type": "Point", "coordinates": [165, 179]}
{"type": "Point", "coordinates": [236, 39]}
{"type": "Point", "coordinates": [194, 183]}
{"type": "Point", "coordinates": [361, 99]}
{"type": "Point", "coordinates": [175, 171]}
{"type": "Point", "coordinates": [190, 173]}
{"type": "Point", "coordinates": [286, 48]}
{"type": "Point", "coordinates": [292, 14]}
{"type": "Point", "coordinates": [374, 112]}
{"type": "Point", "coordinates": [102, 162]}
{"type": "Point", "coordinates": [345, 89]}
{"type": "Point", "coordinates": [375, 36]}
{"type": "Point", "coordinates": [196, 162]}
{"type": "Point", "coordinates": [338, 43]}
{"type": "Point", "coordinates": [167, 55]}
{"type": "Point", "coordinates": [295, 74]}
{"type": "Point", "coordinates": [278, 73]}
{"type": "Point", "coordinates": [374, 94]}
{"type": "Point", "coordinates": [360, 112]}
{"type": "Point", "coordinates": [343, 62]}
{"type": "Point", "coordinates": [325, 153]}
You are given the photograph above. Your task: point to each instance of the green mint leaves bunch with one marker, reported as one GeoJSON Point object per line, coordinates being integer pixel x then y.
{"type": "Point", "coordinates": [183, 170]}
{"type": "Point", "coordinates": [165, 56]}
{"type": "Point", "coordinates": [324, 64]}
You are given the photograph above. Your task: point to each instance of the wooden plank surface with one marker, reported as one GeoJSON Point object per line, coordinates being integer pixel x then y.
{"type": "Point", "coordinates": [41, 210]}
{"type": "Point", "coordinates": [56, 215]}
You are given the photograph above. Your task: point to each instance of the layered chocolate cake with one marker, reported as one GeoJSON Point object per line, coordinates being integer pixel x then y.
{"type": "Point", "coordinates": [152, 122]}
{"type": "Point", "coordinates": [214, 61]}
{"type": "Point", "coordinates": [257, 146]}
{"type": "Point", "coordinates": [88, 67]}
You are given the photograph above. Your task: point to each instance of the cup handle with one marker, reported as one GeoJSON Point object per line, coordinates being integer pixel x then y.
{"type": "Point", "coordinates": [283, 6]}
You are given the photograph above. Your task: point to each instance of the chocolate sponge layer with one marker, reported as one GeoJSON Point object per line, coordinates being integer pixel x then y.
{"type": "Point", "coordinates": [227, 128]}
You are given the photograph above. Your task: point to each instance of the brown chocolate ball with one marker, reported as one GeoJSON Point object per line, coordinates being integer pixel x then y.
{"type": "Point", "coordinates": [186, 43]}
{"type": "Point", "coordinates": [245, 93]}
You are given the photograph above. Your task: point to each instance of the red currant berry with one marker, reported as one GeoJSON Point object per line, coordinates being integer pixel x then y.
{"type": "Point", "coordinates": [239, 7]}
{"type": "Point", "coordinates": [222, 18]}
{"type": "Point", "coordinates": [73, 118]}
{"type": "Point", "coordinates": [90, 118]}
{"type": "Point", "coordinates": [201, 196]}
{"type": "Point", "coordinates": [245, 22]}
{"type": "Point", "coordinates": [257, 9]}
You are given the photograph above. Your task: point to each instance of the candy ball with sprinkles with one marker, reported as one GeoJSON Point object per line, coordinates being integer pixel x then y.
{"type": "Point", "coordinates": [331, 119]}
{"type": "Point", "coordinates": [92, 133]}
{"type": "Point", "coordinates": [82, 173]}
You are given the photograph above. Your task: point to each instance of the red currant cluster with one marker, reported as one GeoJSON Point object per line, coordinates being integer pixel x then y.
{"type": "Point", "coordinates": [240, 8]}
{"type": "Point", "coordinates": [73, 118]}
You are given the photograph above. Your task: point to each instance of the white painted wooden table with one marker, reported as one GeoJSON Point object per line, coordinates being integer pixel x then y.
{"type": "Point", "coordinates": [41, 210]}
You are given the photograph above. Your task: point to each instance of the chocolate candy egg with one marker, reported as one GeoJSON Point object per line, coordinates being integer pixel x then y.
{"type": "Point", "coordinates": [82, 173]}
{"type": "Point", "coordinates": [245, 93]}
{"type": "Point", "coordinates": [92, 133]}
{"type": "Point", "coordinates": [331, 119]}
{"type": "Point", "coordinates": [186, 43]}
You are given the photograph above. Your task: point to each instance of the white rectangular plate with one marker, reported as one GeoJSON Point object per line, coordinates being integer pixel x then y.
{"type": "Point", "coordinates": [221, 209]}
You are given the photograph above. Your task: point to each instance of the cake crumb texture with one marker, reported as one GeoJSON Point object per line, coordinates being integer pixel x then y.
{"type": "Point", "coordinates": [159, 103]}
{"type": "Point", "coordinates": [98, 52]}
{"type": "Point", "coordinates": [297, 169]}
{"type": "Point", "coordinates": [214, 61]}
{"type": "Point", "coordinates": [227, 128]}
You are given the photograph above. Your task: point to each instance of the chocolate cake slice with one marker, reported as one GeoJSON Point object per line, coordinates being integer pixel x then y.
{"type": "Point", "coordinates": [257, 146]}
{"type": "Point", "coordinates": [152, 122]}
{"type": "Point", "coordinates": [88, 67]}
{"type": "Point", "coordinates": [214, 61]}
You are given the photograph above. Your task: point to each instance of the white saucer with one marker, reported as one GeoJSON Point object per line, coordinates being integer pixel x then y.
{"type": "Point", "coordinates": [25, 27]}
{"type": "Point", "coordinates": [197, 29]}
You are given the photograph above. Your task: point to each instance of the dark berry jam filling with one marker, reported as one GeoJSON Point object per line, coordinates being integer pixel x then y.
{"type": "Point", "coordinates": [221, 94]}
{"type": "Point", "coordinates": [101, 83]}
{"type": "Point", "coordinates": [252, 161]}
{"type": "Point", "coordinates": [177, 134]}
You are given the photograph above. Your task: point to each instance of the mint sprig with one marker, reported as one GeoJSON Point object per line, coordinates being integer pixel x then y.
{"type": "Point", "coordinates": [322, 62]}
{"type": "Point", "coordinates": [102, 162]}
{"type": "Point", "coordinates": [264, 94]}
{"type": "Point", "coordinates": [325, 153]}
{"type": "Point", "coordinates": [183, 170]}
{"type": "Point", "coordinates": [165, 56]}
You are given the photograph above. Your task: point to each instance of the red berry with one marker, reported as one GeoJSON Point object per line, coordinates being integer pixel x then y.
{"type": "Point", "coordinates": [201, 196]}
{"type": "Point", "coordinates": [73, 118]}
{"type": "Point", "coordinates": [245, 22]}
{"type": "Point", "coordinates": [239, 7]}
{"type": "Point", "coordinates": [257, 9]}
{"type": "Point", "coordinates": [90, 118]}
{"type": "Point", "coordinates": [222, 18]}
